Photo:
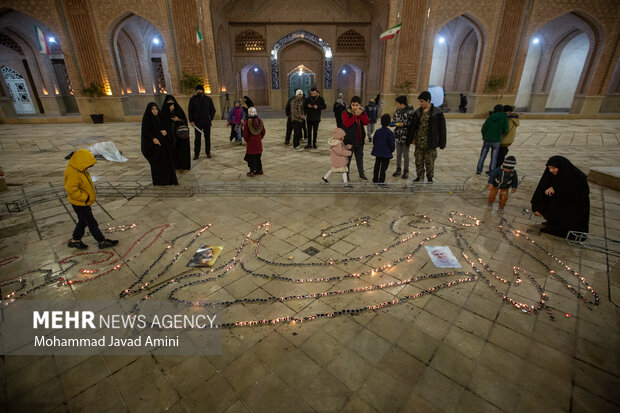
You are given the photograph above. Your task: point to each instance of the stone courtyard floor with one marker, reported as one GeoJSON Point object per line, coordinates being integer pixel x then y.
{"type": "Point", "coordinates": [462, 347]}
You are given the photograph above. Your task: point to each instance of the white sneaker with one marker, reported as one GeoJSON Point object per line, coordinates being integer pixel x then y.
{"type": "Point", "coordinates": [298, 148]}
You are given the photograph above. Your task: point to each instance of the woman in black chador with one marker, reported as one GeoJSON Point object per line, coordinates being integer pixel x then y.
{"type": "Point", "coordinates": [562, 198]}
{"type": "Point", "coordinates": [247, 104]}
{"type": "Point", "coordinates": [157, 147]}
{"type": "Point", "coordinates": [174, 121]}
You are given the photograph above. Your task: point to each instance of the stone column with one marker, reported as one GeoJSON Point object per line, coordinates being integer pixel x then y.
{"type": "Point", "coordinates": [507, 45]}
{"type": "Point", "coordinates": [538, 102]}
{"type": "Point", "coordinates": [390, 61]}
{"type": "Point", "coordinates": [586, 105]}
{"type": "Point", "coordinates": [50, 106]}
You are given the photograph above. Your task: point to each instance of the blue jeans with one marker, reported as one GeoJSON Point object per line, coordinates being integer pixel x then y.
{"type": "Point", "coordinates": [239, 129]}
{"type": "Point", "coordinates": [494, 146]}
{"type": "Point", "coordinates": [370, 129]}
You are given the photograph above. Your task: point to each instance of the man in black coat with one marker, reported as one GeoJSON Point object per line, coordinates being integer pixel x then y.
{"type": "Point", "coordinates": [463, 104]}
{"type": "Point", "coordinates": [428, 131]}
{"type": "Point", "coordinates": [201, 112]}
{"type": "Point", "coordinates": [314, 104]}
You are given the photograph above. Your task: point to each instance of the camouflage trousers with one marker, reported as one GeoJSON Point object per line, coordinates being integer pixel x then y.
{"type": "Point", "coordinates": [425, 158]}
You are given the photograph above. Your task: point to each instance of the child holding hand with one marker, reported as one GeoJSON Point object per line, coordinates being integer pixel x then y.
{"type": "Point", "coordinates": [339, 156]}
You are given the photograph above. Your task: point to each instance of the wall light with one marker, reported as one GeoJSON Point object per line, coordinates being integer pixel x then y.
{"type": "Point", "coordinates": [256, 69]}
{"type": "Point", "coordinates": [51, 39]}
{"type": "Point", "coordinates": [535, 40]}
{"type": "Point", "coordinates": [442, 39]}
{"type": "Point", "coordinates": [344, 71]}
{"type": "Point", "coordinates": [155, 40]}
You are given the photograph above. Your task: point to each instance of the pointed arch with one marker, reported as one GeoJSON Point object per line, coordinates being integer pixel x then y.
{"type": "Point", "coordinates": [548, 42]}
{"type": "Point", "coordinates": [311, 38]}
{"type": "Point", "coordinates": [464, 43]}
{"type": "Point", "coordinates": [139, 60]}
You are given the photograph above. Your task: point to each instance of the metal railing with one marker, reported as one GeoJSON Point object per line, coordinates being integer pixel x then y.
{"type": "Point", "coordinates": [244, 187]}
{"type": "Point", "coordinates": [593, 242]}
{"type": "Point", "coordinates": [132, 190]}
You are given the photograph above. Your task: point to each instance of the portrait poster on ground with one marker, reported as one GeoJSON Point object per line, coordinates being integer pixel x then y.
{"type": "Point", "coordinates": [442, 257]}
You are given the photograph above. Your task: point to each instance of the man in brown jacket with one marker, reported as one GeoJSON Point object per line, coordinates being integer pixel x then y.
{"type": "Point", "coordinates": [508, 138]}
{"type": "Point", "coordinates": [298, 117]}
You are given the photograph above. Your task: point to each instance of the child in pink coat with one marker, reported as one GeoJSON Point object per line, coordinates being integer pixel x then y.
{"type": "Point", "coordinates": [339, 155]}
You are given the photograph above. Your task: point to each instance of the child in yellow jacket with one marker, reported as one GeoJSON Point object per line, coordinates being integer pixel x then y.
{"type": "Point", "coordinates": [81, 194]}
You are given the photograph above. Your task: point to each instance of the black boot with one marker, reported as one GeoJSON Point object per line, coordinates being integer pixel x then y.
{"type": "Point", "coordinates": [77, 244]}
{"type": "Point", "coordinates": [107, 243]}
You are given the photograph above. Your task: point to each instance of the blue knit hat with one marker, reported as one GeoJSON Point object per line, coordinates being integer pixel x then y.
{"type": "Point", "coordinates": [510, 162]}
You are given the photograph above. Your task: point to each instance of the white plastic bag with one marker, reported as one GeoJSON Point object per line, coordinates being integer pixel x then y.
{"type": "Point", "coordinates": [108, 150]}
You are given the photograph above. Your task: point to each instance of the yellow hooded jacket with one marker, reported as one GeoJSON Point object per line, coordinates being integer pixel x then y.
{"type": "Point", "coordinates": [78, 185]}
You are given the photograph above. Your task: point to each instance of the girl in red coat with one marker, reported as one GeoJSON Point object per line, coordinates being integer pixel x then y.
{"type": "Point", "coordinates": [253, 133]}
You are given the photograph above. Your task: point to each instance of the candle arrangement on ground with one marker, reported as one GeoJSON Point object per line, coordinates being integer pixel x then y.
{"type": "Point", "coordinates": [168, 282]}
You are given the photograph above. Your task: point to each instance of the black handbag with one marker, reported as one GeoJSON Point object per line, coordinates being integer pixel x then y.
{"type": "Point", "coordinates": [183, 132]}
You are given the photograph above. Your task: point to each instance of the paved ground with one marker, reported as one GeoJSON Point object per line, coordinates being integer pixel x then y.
{"type": "Point", "coordinates": [460, 348]}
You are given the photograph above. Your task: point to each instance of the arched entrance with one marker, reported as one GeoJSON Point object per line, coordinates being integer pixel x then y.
{"type": "Point", "coordinates": [349, 81]}
{"type": "Point", "coordinates": [300, 78]}
{"type": "Point", "coordinates": [139, 54]}
{"type": "Point", "coordinates": [18, 91]}
{"type": "Point", "coordinates": [35, 72]}
{"type": "Point", "coordinates": [308, 37]}
{"type": "Point", "coordinates": [457, 55]}
{"type": "Point", "coordinates": [567, 74]}
{"type": "Point", "coordinates": [254, 83]}
{"type": "Point", "coordinates": [555, 69]}
{"type": "Point", "coordinates": [298, 54]}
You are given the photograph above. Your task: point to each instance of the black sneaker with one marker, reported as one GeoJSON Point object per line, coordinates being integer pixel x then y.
{"type": "Point", "coordinates": [397, 173]}
{"type": "Point", "coordinates": [107, 243]}
{"type": "Point", "coordinates": [325, 180]}
{"type": "Point", "coordinates": [287, 142]}
{"type": "Point", "coordinates": [208, 155]}
{"type": "Point", "coordinates": [405, 175]}
{"type": "Point", "coordinates": [429, 180]}
{"type": "Point", "coordinates": [196, 157]}
{"type": "Point", "coordinates": [314, 146]}
{"type": "Point", "coordinates": [418, 179]}
{"type": "Point", "coordinates": [77, 244]}
{"type": "Point", "coordinates": [363, 177]}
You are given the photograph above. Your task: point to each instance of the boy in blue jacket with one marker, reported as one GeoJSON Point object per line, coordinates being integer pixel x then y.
{"type": "Point", "coordinates": [502, 178]}
{"type": "Point", "coordinates": [382, 148]}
